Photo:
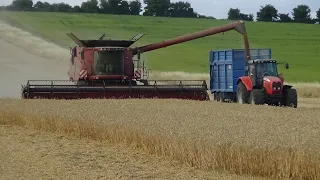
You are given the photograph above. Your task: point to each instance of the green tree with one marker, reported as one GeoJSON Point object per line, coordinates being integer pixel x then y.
{"type": "Point", "coordinates": [284, 17]}
{"type": "Point", "coordinates": [267, 13]}
{"type": "Point", "coordinates": [90, 6]}
{"type": "Point", "coordinates": [77, 9]}
{"type": "Point", "coordinates": [39, 6]}
{"type": "Point", "coordinates": [105, 7]}
{"type": "Point", "coordinates": [123, 8]}
{"type": "Point", "coordinates": [114, 7]}
{"type": "Point", "coordinates": [135, 7]}
{"type": "Point", "coordinates": [301, 14]}
{"type": "Point", "coordinates": [157, 7]}
{"type": "Point", "coordinates": [181, 9]}
{"type": "Point", "coordinates": [61, 7]}
{"type": "Point", "coordinates": [234, 14]}
{"type": "Point", "coordinates": [318, 15]}
{"type": "Point", "coordinates": [22, 5]}
{"type": "Point", "coordinates": [246, 17]}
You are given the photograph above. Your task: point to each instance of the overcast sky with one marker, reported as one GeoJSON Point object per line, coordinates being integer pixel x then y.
{"type": "Point", "coordinates": [219, 8]}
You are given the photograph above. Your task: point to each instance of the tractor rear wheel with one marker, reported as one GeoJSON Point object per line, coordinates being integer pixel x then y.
{"type": "Point", "coordinates": [242, 94]}
{"type": "Point", "coordinates": [290, 98]}
{"type": "Point", "coordinates": [257, 97]}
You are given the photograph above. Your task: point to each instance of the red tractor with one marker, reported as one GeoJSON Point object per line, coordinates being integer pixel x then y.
{"type": "Point", "coordinates": [263, 85]}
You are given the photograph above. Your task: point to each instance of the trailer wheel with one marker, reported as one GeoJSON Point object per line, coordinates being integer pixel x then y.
{"type": "Point", "coordinates": [221, 97]}
{"type": "Point", "coordinates": [257, 97]}
{"type": "Point", "coordinates": [242, 94]}
{"type": "Point", "coordinates": [217, 96]}
{"type": "Point", "coordinates": [290, 98]}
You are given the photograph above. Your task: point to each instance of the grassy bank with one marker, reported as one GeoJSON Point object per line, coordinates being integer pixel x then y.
{"type": "Point", "coordinates": [297, 44]}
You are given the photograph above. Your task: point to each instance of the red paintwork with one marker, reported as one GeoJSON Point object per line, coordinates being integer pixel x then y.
{"type": "Point", "coordinates": [282, 79]}
{"type": "Point", "coordinates": [81, 64]}
{"type": "Point", "coordinates": [247, 82]}
{"type": "Point", "coordinates": [87, 62]}
{"type": "Point", "coordinates": [120, 95]}
{"type": "Point", "coordinates": [101, 77]}
{"type": "Point", "coordinates": [267, 83]}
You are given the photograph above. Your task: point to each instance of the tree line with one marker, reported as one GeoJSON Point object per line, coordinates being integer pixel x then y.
{"type": "Point", "coordinates": [164, 8]}
{"type": "Point", "coordinates": [124, 7]}
{"type": "Point", "coordinates": [268, 13]}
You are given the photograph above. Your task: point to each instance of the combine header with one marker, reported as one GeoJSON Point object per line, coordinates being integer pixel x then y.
{"type": "Point", "coordinates": [106, 69]}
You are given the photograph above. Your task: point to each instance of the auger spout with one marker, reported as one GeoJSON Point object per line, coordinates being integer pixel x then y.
{"type": "Point", "coordinates": [237, 25]}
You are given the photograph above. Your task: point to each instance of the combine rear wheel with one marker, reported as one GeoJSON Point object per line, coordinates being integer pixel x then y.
{"type": "Point", "coordinates": [257, 97]}
{"type": "Point", "coordinates": [242, 94]}
{"type": "Point", "coordinates": [290, 98]}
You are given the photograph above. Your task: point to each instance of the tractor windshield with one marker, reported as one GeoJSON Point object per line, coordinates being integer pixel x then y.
{"type": "Point", "coordinates": [108, 63]}
{"type": "Point", "coordinates": [266, 69]}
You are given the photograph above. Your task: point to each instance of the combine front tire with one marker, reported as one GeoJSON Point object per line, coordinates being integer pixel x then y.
{"type": "Point", "coordinates": [290, 98]}
{"type": "Point", "coordinates": [257, 97]}
{"type": "Point", "coordinates": [242, 94]}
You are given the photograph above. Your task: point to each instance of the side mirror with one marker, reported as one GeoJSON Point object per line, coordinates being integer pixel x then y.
{"type": "Point", "coordinates": [287, 66]}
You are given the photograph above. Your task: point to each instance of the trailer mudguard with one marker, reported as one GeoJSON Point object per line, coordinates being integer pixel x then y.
{"type": "Point", "coordinates": [246, 81]}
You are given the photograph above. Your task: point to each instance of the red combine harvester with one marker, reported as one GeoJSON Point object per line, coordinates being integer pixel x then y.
{"type": "Point", "coordinates": [106, 69]}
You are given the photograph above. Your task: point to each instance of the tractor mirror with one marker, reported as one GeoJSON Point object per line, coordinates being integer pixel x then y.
{"type": "Point", "coordinates": [287, 66]}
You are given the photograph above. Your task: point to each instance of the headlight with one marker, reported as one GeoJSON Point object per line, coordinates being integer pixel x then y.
{"type": "Point", "coordinates": [274, 88]}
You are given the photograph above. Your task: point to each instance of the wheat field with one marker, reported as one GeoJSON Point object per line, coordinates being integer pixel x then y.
{"type": "Point", "coordinates": [271, 142]}
{"type": "Point", "coordinates": [267, 141]}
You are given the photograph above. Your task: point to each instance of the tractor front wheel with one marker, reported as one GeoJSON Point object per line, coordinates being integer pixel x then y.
{"type": "Point", "coordinates": [290, 98]}
{"type": "Point", "coordinates": [257, 97]}
{"type": "Point", "coordinates": [242, 94]}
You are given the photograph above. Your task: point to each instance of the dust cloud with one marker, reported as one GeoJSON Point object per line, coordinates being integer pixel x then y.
{"type": "Point", "coordinates": [26, 57]}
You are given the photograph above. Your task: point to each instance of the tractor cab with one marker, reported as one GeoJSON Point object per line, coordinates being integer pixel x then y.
{"type": "Point", "coordinates": [259, 69]}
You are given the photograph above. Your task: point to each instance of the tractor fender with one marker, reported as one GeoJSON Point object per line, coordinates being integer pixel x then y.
{"type": "Point", "coordinates": [246, 81]}
{"type": "Point", "coordinates": [287, 86]}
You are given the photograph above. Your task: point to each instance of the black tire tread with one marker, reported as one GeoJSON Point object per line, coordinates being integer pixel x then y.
{"type": "Point", "coordinates": [245, 94]}
{"type": "Point", "coordinates": [290, 98]}
{"type": "Point", "coordinates": [257, 97]}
